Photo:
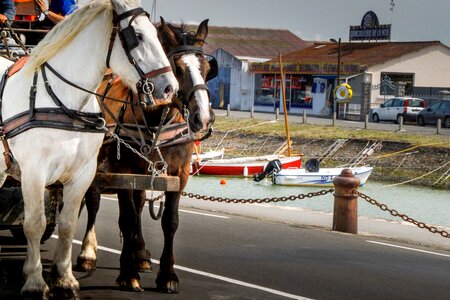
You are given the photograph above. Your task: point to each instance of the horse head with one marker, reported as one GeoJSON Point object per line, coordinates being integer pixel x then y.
{"type": "Point", "coordinates": [192, 68]}
{"type": "Point", "coordinates": [137, 55]}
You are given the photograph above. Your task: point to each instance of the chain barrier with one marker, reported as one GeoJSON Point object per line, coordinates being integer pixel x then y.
{"type": "Point", "coordinates": [263, 200]}
{"type": "Point", "coordinates": [404, 217]}
{"type": "Point", "coordinates": [369, 199]}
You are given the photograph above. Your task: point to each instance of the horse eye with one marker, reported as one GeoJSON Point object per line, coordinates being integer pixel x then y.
{"type": "Point", "coordinates": [139, 36]}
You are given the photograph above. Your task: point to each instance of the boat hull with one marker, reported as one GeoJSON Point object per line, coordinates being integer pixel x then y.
{"type": "Point", "coordinates": [242, 166]}
{"type": "Point", "coordinates": [324, 177]}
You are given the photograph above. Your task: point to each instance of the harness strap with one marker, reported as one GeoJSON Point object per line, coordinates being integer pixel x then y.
{"type": "Point", "coordinates": [33, 91]}
{"type": "Point", "coordinates": [158, 72]}
{"type": "Point", "coordinates": [7, 153]}
{"type": "Point", "coordinates": [67, 111]}
{"type": "Point", "coordinates": [49, 118]}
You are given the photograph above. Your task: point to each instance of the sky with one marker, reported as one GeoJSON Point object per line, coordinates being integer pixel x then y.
{"type": "Point", "coordinates": [315, 20]}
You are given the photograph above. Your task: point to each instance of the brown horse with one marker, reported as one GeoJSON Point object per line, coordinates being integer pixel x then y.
{"type": "Point", "coordinates": [190, 112]}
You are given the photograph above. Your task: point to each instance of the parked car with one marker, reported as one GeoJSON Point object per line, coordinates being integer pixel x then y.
{"type": "Point", "coordinates": [397, 107]}
{"type": "Point", "coordinates": [439, 110]}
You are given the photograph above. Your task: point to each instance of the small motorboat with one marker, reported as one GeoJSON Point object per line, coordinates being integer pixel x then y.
{"type": "Point", "coordinates": [321, 177]}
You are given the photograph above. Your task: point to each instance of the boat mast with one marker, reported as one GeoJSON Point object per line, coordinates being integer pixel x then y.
{"type": "Point", "coordinates": [283, 92]}
{"type": "Point", "coordinates": [153, 12]}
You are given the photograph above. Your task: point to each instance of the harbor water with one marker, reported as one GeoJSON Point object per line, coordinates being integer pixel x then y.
{"type": "Point", "coordinates": [426, 205]}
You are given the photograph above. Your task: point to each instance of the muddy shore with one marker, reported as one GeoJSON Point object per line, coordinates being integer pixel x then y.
{"type": "Point", "coordinates": [391, 162]}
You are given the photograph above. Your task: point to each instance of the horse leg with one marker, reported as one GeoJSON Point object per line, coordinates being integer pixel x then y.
{"type": "Point", "coordinates": [128, 278]}
{"type": "Point", "coordinates": [34, 226]}
{"type": "Point", "coordinates": [167, 280]}
{"type": "Point", "coordinates": [86, 261]}
{"type": "Point", "coordinates": [65, 284]}
{"type": "Point", "coordinates": [141, 255]}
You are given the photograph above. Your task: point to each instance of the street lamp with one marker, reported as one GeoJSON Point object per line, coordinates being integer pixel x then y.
{"type": "Point", "coordinates": [338, 71]}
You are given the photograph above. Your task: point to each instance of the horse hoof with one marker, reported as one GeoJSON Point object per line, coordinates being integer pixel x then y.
{"type": "Point", "coordinates": [168, 285]}
{"type": "Point", "coordinates": [35, 295]}
{"type": "Point", "coordinates": [86, 265]}
{"type": "Point", "coordinates": [144, 265]}
{"type": "Point", "coordinates": [61, 293]}
{"type": "Point", "coordinates": [133, 285]}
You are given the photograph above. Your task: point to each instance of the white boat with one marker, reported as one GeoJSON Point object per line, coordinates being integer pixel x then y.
{"type": "Point", "coordinates": [218, 154]}
{"type": "Point", "coordinates": [323, 177]}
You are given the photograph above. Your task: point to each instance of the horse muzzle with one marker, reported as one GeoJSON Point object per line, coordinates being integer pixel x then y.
{"type": "Point", "coordinates": [151, 96]}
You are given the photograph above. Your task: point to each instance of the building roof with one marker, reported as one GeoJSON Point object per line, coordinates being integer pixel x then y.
{"type": "Point", "coordinates": [253, 42]}
{"type": "Point", "coordinates": [365, 54]}
{"type": "Point", "coordinates": [321, 57]}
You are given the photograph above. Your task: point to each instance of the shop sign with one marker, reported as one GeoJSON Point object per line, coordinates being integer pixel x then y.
{"type": "Point", "coordinates": [370, 29]}
{"type": "Point", "coordinates": [305, 68]}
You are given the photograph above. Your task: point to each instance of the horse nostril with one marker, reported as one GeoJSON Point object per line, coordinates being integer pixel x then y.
{"type": "Point", "coordinates": [169, 89]}
{"type": "Point", "coordinates": [197, 119]}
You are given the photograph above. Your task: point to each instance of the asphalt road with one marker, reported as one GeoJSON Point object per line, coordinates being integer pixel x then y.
{"type": "Point", "coordinates": [408, 127]}
{"type": "Point", "coordinates": [223, 256]}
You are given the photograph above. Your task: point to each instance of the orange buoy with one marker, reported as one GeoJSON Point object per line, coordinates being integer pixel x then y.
{"type": "Point", "coordinates": [223, 181]}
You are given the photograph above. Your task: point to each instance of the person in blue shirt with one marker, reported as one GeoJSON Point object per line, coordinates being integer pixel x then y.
{"type": "Point", "coordinates": [57, 10]}
{"type": "Point", "coordinates": [7, 10]}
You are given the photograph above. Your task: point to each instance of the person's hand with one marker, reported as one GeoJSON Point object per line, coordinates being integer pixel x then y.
{"type": "Point", "coordinates": [41, 4]}
{"type": "Point", "coordinates": [3, 18]}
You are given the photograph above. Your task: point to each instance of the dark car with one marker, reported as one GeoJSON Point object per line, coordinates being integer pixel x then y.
{"type": "Point", "coordinates": [439, 110]}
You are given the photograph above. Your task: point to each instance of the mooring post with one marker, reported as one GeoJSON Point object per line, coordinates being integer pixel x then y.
{"type": "Point", "coordinates": [228, 110]}
{"type": "Point", "coordinates": [334, 119]}
{"type": "Point", "coordinates": [252, 110]}
{"type": "Point", "coordinates": [345, 216]}
{"type": "Point", "coordinates": [400, 124]}
{"type": "Point", "coordinates": [304, 116]}
{"type": "Point", "coordinates": [366, 121]}
{"type": "Point", "coordinates": [439, 124]}
{"type": "Point", "coordinates": [277, 113]}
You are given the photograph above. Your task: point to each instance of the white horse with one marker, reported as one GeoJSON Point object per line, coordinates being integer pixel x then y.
{"type": "Point", "coordinates": [78, 49]}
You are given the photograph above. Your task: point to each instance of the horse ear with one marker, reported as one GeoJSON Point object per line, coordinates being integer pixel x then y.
{"type": "Point", "coordinates": [166, 35]}
{"type": "Point", "coordinates": [202, 32]}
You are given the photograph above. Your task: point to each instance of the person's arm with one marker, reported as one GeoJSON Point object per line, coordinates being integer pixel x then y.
{"type": "Point", "coordinates": [54, 17]}
{"type": "Point", "coordinates": [9, 11]}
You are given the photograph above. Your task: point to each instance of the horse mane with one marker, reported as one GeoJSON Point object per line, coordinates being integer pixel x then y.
{"type": "Point", "coordinates": [65, 31]}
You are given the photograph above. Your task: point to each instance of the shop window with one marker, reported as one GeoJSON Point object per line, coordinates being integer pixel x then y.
{"type": "Point", "coordinates": [265, 90]}
{"type": "Point", "coordinates": [301, 91]}
{"type": "Point", "coordinates": [388, 82]}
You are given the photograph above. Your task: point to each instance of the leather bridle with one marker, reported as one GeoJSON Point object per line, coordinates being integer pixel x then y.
{"type": "Point", "coordinates": [130, 41]}
{"type": "Point", "coordinates": [185, 49]}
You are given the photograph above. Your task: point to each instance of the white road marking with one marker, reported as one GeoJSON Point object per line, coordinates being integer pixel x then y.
{"type": "Point", "coordinates": [182, 210]}
{"type": "Point", "coordinates": [408, 248]}
{"type": "Point", "coordinates": [210, 275]}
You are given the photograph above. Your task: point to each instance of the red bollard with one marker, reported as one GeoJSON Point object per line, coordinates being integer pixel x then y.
{"type": "Point", "coordinates": [345, 216]}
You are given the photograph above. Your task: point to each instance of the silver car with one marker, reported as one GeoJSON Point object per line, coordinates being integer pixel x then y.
{"type": "Point", "coordinates": [393, 109]}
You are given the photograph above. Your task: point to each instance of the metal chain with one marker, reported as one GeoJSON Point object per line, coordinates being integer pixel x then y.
{"type": "Point", "coordinates": [161, 170]}
{"type": "Point", "coordinates": [263, 200]}
{"type": "Point", "coordinates": [404, 217]}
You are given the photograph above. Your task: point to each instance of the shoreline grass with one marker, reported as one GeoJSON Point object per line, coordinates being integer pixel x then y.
{"type": "Point", "coordinates": [309, 131]}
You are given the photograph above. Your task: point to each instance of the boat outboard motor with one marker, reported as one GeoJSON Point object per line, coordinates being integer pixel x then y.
{"type": "Point", "coordinates": [273, 166]}
{"type": "Point", "coordinates": [312, 165]}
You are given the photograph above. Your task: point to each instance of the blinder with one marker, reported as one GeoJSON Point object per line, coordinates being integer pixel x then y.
{"type": "Point", "coordinates": [213, 68]}
{"type": "Point", "coordinates": [128, 38]}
